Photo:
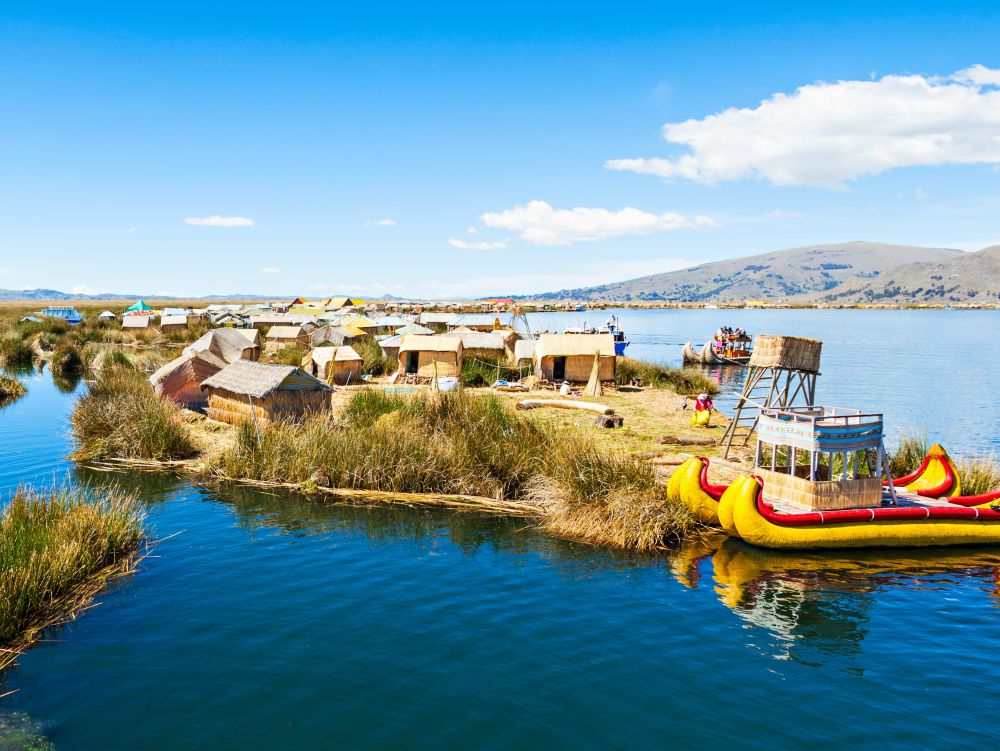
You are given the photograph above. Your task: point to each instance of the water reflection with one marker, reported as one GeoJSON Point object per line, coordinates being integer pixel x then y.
{"type": "Point", "coordinates": [818, 605]}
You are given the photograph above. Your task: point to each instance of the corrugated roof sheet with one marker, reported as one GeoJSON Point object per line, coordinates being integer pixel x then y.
{"type": "Point", "coordinates": [259, 379]}
{"type": "Point", "coordinates": [575, 344]}
{"type": "Point", "coordinates": [478, 339]}
{"type": "Point", "coordinates": [135, 322]}
{"type": "Point", "coordinates": [323, 355]}
{"type": "Point", "coordinates": [178, 320]}
{"type": "Point", "coordinates": [414, 328]}
{"type": "Point", "coordinates": [434, 318]}
{"type": "Point", "coordinates": [524, 349]}
{"type": "Point", "coordinates": [417, 343]}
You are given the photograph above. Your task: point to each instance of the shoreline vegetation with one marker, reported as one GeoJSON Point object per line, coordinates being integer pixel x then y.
{"type": "Point", "coordinates": [460, 449]}
{"type": "Point", "coordinates": [59, 548]}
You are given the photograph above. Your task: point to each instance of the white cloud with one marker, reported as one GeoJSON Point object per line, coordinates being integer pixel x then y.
{"type": "Point", "coordinates": [472, 230]}
{"type": "Point", "coordinates": [920, 194]}
{"type": "Point", "coordinates": [381, 223]}
{"type": "Point", "coordinates": [484, 245]}
{"type": "Point", "coordinates": [979, 75]}
{"type": "Point", "coordinates": [538, 223]}
{"type": "Point", "coordinates": [81, 289]}
{"type": "Point", "coordinates": [824, 134]}
{"type": "Point", "coordinates": [270, 270]}
{"type": "Point", "coordinates": [219, 221]}
{"type": "Point", "coordinates": [785, 214]}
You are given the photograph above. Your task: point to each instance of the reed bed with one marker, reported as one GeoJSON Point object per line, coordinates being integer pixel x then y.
{"type": "Point", "coordinates": [57, 550]}
{"type": "Point", "coordinates": [473, 446]}
{"type": "Point", "coordinates": [653, 375]}
{"type": "Point", "coordinates": [16, 352]}
{"type": "Point", "coordinates": [374, 360]}
{"type": "Point", "coordinates": [121, 417]}
{"type": "Point", "coordinates": [66, 359]}
{"type": "Point", "coordinates": [11, 390]}
{"type": "Point", "coordinates": [484, 370]}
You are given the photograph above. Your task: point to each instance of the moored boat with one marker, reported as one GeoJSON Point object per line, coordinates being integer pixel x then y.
{"type": "Point", "coordinates": [818, 483]}
{"type": "Point", "coordinates": [727, 347]}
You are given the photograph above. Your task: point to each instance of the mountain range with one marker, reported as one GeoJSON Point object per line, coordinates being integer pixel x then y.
{"type": "Point", "coordinates": [852, 272]}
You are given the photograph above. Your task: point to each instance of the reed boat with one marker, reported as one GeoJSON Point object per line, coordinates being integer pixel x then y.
{"type": "Point", "coordinates": [818, 483]}
{"type": "Point", "coordinates": [723, 349]}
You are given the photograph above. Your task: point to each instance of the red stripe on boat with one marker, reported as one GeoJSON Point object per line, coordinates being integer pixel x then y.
{"type": "Point", "coordinates": [715, 491]}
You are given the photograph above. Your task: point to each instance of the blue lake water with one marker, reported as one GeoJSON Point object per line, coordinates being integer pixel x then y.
{"type": "Point", "coordinates": [266, 620]}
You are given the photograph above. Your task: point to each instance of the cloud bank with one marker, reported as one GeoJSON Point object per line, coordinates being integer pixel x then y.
{"type": "Point", "coordinates": [219, 221]}
{"type": "Point", "coordinates": [825, 134]}
{"type": "Point", "coordinates": [538, 223]}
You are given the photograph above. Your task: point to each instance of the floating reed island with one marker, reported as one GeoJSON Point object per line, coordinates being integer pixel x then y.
{"type": "Point", "coordinates": [58, 548]}
{"type": "Point", "coordinates": [11, 390]}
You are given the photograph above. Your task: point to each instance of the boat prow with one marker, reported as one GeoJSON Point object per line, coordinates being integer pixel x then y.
{"type": "Point", "coordinates": [936, 477]}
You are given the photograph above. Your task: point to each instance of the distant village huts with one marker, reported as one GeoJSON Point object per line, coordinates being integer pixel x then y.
{"type": "Point", "coordinates": [437, 321]}
{"type": "Point", "coordinates": [570, 357]}
{"type": "Point", "coordinates": [427, 356]}
{"type": "Point", "coordinates": [283, 337]}
{"type": "Point", "coordinates": [106, 315]}
{"type": "Point", "coordinates": [477, 322]}
{"type": "Point", "coordinates": [333, 364]}
{"type": "Point", "coordinates": [248, 391]}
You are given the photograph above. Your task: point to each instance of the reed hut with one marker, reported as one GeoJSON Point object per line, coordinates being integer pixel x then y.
{"type": "Point", "coordinates": [173, 323]}
{"type": "Point", "coordinates": [491, 345]}
{"type": "Point", "coordinates": [282, 337]}
{"type": "Point", "coordinates": [418, 355]}
{"type": "Point", "coordinates": [390, 347]}
{"type": "Point", "coordinates": [252, 391]}
{"type": "Point", "coordinates": [180, 379]}
{"type": "Point", "coordinates": [227, 345]}
{"type": "Point", "coordinates": [570, 357]}
{"type": "Point", "coordinates": [334, 364]}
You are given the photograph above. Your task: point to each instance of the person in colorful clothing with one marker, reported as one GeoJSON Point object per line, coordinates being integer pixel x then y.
{"type": "Point", "coordinates": [703, 407]}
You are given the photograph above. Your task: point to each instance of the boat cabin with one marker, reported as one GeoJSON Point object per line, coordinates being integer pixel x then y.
{"type": "Point", "coordinates": [821, 458]}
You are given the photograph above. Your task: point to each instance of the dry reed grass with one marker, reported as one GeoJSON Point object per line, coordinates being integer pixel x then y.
{"type": "Point", "coordinates": [11, 390]}
{"type": "Point", "coordinates": [121, 417]}
{"type": "Point", "coordinates": [58, 548]}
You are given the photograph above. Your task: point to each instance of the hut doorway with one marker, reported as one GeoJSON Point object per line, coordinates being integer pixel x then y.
{"type": "Point", "coordinates": [558, 368]}
{"type": "Point", "coordinates": [412, 362]}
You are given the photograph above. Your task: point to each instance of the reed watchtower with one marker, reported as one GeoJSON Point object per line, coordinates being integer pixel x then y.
{"type": "Point", "coordinates": [782, 373]}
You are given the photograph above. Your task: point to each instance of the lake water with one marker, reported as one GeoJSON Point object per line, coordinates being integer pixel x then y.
{"type": "Point", "coordinates": [267, 620]}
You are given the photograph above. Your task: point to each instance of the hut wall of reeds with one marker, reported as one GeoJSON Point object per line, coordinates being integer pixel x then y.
{"type": "Point", "coordinates": [570, 357]}
{"type": "Point", "coordinates": [180, 380]}
{"type": "Point", "coordinates": [430, 356]}
{"type": "Point", "coordinates": [265, 393]}
{"type": "Point", "coordinates": [792, 352]}
{"type": "Point", "coordinates": [340, 365]}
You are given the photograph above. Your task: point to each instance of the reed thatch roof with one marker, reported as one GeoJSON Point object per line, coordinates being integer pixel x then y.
{"type": "Point", "coordinates": [174, 320]}
{"type": "Point", "coordinates": [566, 345]}
{"type": "Point", "coordinates": [417, 343]}
{"type": "Point", "coordinates": [478, 339]}
{"type": "Point", "coordinates": [284, 332]}
{"type": "Point", "coordinates": [225, 345]}
{"type": "Point", "coordinates": [323, 355]}
{"type": "Point", "coordinates": [260, 380]}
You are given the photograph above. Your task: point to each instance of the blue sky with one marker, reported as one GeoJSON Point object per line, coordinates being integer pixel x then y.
{"type": "Point", "coordinates": [450, 150]}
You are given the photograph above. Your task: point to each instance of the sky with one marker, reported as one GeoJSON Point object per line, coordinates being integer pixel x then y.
{"type": "Point", "coordinates": [460, 150]}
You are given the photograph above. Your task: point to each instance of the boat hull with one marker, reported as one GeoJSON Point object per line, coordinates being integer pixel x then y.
{"type": "Point", "coordinates": [742, 510]}
{"type": "Point", "coordinates": [689, 485]}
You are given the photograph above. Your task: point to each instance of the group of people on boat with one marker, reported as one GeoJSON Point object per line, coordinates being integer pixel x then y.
{"type": "Point", "coordinates": [729, 334]}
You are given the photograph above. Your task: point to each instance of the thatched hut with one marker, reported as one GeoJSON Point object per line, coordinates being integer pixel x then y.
{"type": "Point", "coordinates": [282, 337]}
{"type": "Point", "coordinates": [173, 323]}
{"type": "Point", "coordinates": [180, 379]}
{"type": "Point", "coordinates": [333, 364]}
{"type": "Point", "coordinates": [418, 355]}
{"type": "Point", "coordinates": [227, 345]}
{"type": "Point", "coordinates": [570, 357]}
{"type": "Point", "coordinates": [491, 345]}
{"type": "Point", "coordinates": [246, 390]}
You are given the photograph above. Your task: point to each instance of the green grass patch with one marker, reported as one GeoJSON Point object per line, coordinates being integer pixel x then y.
{"type": "Point", "coordinates": [485, 370]}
